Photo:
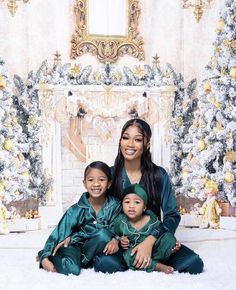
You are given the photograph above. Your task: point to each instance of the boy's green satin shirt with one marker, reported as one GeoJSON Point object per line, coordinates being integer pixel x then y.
{"type": "Point", "coordinates": [81, 223]}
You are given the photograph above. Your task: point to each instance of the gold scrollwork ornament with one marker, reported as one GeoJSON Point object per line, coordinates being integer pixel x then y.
{"type": "Point", "coordinates": [107, 48]}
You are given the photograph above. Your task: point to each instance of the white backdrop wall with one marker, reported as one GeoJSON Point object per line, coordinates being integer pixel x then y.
{"type": "Point", "coordinates": [40, 28]}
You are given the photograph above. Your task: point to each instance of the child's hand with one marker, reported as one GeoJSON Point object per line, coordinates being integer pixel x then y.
{"type": "Point", "coordinates": [177, 247]}
{"type": "Point", "coordinates": [124, 242]}
{"type": "Point", "coordinates": [65, 243]}
{"type": "Point", "coordinates": [112, 247]}
{"type": "Point", "coordinates": [48, 265]}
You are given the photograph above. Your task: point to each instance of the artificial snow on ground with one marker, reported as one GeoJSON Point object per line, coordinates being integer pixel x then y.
{"type": "Point", "coordinates": [217, 248]}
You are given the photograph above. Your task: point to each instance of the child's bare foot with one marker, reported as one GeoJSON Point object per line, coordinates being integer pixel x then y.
{"type": "Point", "coordinates": [48, 265]}
{"type": "Point", "coordinates": [164, 268]}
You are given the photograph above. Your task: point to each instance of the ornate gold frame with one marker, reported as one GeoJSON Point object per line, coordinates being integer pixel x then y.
{"type": "Point", "coordinates": [107, 48]}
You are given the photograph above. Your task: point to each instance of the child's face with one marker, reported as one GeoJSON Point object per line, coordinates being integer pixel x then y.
{"type": "Point", "coordinates": [131, 143]}
{"type": "Point", "coordinates": [96, 183]}
{"type": "Point", "coordinates": [133, 206]}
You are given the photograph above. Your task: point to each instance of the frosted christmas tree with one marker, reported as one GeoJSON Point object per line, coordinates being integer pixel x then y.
{"type": "Point", "coordinates": [27, 105]}
{"type": "Point", "coordinates": [14, 168]}
{"type": "Point", "coordinates": [182, 115]}
{"type": "Point", "coordinates": [212, 147]}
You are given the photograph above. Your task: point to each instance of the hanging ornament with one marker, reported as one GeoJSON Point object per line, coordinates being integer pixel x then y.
{"type": "Point", "coordinates": [217, 104]}
{"type": "Point", "coordinates": [218, 127]}
{"type": "Point", "coordinates": [232, 72]}
{"type": "Point", "coordinates": [75, 70]}
{"type": "Point", "coordinates": [179, 121]}
{"type": "Point", "coordinates": [220, 25]}
{"type": "Point", "coordinates": [118, 76]}
{"type": "Point", "coordinates": [17, 192]}
{"type": "Point", "coordinates": [25, 174]}
{"type": "Point", "coordinates": [201, 145]}
{"type": "Point", "coordinates": [139, 72]}
{"type": "Point", "coordinates": [2, 82]}
{"type": "Point", "coordinates": [230, 156]}
{"type": "Point", "coordinates": [7, 145]}
{"type": "Point", "coordinates": [32, 120]}
{"type": "Point", "coordinates": [229, 177]}
{"type": "Point", "coordinates": [207, 86]}
{"type": "Point", "coordinates": [97, 76]}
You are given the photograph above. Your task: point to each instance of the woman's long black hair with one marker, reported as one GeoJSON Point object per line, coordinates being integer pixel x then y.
{"type": "Point", "coordinates": [150, 172]}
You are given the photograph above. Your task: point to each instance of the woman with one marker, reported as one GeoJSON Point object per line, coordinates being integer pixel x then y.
{"type": "Point", "coordinates": [133, 164]}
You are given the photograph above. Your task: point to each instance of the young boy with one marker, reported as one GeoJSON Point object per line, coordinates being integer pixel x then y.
{"type": "Point", "coordinates": [136, 223]}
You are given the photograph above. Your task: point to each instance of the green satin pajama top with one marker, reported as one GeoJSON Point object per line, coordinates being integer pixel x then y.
{"type": "Point", "coordinates": [123, 227]}
{"type": "Point", "coordinates": [81, 222]}
{"type": "Point", "coordinates": [171, 216]}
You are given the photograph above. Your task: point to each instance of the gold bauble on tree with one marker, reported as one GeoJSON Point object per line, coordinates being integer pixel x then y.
{"type": "Point", "coordinates": [201, 145]}
{"type": "Point", "coordinates": [232, 72]}
{"type": "Point", "coordinates": [207, 86]}
{"type": "Point", "coordinates": [229, 177]}
{"type": "Point", "coordinates": [220, 25]}
{"type": "Point", "coordinates": [2, 82]}
{"type": "Point", "coordinates": [7, 144]}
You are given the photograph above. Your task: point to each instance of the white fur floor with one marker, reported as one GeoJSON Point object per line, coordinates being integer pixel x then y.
{"type": "Point", "coordinates": [19, 270]}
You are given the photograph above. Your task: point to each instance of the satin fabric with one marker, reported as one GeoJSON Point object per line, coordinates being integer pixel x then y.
{"type": "Point", "coordinates": [162, 248]}
{"type": "Point", "coordinates": [89, 234]}
{"type": "Point", "coordinates": [184, 260]}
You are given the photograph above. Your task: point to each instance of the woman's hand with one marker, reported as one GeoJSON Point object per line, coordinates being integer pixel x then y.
{"type": "Point", "coordinates": [124, 242]}
{"type": "Point", "coordinates": [143, 253]}
{"type": "Point", "coordinates": [111, 248]}
{"type": "Point", "coordinates": [177, 247]}
{"type": "Point", "coordinates": [65, 243]}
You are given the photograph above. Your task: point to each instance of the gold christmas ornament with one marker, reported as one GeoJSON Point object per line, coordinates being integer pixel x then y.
{"type": "Point", "coordinates": [212, 184]}
{"type": "Point", "coordinates": [25, 174]}
{"type": "Point", "coordinates": [207, 86]}
{"type": "Point", "coordinates": [193, 190]}
{"type": "Point", "coordinates": [230, 156]}
{"type": "Point", "coordinates": [17, 192]}
{"type": "Point", "coordinates": [220, 25]}
{"type": "Point", "coordinates": [2, 82]}
{"type": "Point", "coordinates": [75, 70]}
{"type": "Point", "coordinates": [7, 144]}
{"type": "Point", "coordinates": [139, 71]}
{"type": "Point", "coordinates": [217, 104]}
{"type": "Point", "coordinates": [201, 145]}
{"type": "Point", "coordinates": [218, 127]}
{"type": "Point", "coordinates": [118, 76]}
{"type": "Point", "coordinates": [14, 121]}
{"type": "Point", "coordinates": [97, 76]}
{"type": "Point", "coordinates": [32, 120]}
{"type": "Point", "coordinates": [179, 121]}
{"type": "Point", "coordinates": [229, 177]}
{"type": "Point", "coordinates": [232, 72]}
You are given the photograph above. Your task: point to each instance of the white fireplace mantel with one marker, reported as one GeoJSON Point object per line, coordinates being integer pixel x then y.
{"type": "Point", "coordinates": [52, 95]}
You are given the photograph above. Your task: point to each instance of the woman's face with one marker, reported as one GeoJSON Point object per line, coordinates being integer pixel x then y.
{"type": "Point", "coordinates": [131, 143]}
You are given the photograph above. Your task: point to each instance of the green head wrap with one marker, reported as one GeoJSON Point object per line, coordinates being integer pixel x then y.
{"type": "Point", "coordinates": [137, 189]}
